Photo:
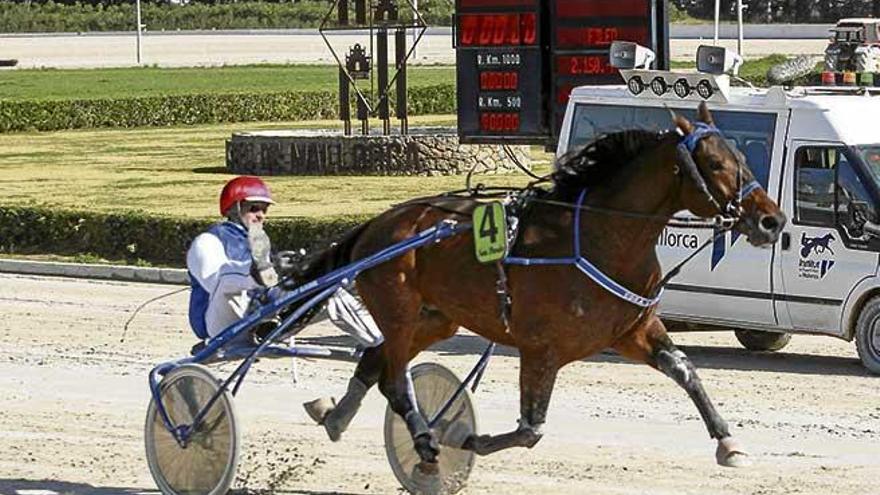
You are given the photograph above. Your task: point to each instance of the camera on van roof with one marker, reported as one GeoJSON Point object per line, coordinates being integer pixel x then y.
{"type": "Point", "coordinates": [718, 60]}
{"type": "Point", "coordinates": [629, 55]}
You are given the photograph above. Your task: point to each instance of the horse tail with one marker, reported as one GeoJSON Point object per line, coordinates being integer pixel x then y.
{"type": "Point", "coordinates": [336, 255]}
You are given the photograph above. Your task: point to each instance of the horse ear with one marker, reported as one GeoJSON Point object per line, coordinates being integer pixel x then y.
{"type": "Point", "coordinates": [704, 114]}
{"type": "Point", "coordinates": [683, 124]}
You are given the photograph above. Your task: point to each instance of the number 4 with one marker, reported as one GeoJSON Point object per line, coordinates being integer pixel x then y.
{"type": "Point", "coordinates": [487, 224]}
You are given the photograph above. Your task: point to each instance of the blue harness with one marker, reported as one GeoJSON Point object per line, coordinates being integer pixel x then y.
{"type": "Point", "coordinates": [586, 267]}
{"type": "Point", "coordinates": [689, 143]}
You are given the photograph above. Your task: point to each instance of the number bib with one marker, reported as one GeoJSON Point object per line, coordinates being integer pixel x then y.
{"type": "Point", "coordinates": [490, 232]}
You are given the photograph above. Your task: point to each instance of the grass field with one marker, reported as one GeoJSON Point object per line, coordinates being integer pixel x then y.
{"type": "Point", "coordinates": [47, 84]}
{"type": "Point", "coordinates": [36, 84]}
{"type": "Point", "coordinates": [179, 172]}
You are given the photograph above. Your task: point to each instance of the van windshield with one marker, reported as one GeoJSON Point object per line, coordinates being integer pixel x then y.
{"type": "Point", "coordinates": [751, 132]}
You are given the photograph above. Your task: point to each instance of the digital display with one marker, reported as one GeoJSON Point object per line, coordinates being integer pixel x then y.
{"type": "Point", "coordinates": [600, 36]}
{"type": "Point", "coordinates": [497, 29]}
{"type": "Point", "coordinates": [517, 61]}
{"type": "Point", "coordinates": [584, 65]}
{"type": "Point", "coordinates": [602, 8]}
{"type": "Point", "coordinates": [499, 121]}
{"type": "Point", "coordinates": [499, 80]}
{"type": "Point", "coordinates": [584, 31]}
{"type": "Point", "coordinates": [497, 4]}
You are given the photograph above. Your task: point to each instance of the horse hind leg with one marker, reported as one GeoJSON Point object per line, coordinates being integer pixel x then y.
{"type": "Point", "coordinates": [431, 327]}
{"type": "Point", "coordinates": [537, 377]}
{"type": "Point", "coordinates": [653, 346]}
{"type": "Point", "coordinates": [336, 416]}
{"type": "Point", "coordinates": [395, 382]}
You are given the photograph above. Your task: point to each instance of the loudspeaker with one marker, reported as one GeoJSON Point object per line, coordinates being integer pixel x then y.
{"type": "Point", "coordinates": [717, 60]}
{"type": "Point", "coordinates": [629, 55]}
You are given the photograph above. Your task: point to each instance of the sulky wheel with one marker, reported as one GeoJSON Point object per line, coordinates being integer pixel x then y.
{"type": "Point", "coordinates": [206, 464]}
{"type": "Point", "coordinates": [434, 385]}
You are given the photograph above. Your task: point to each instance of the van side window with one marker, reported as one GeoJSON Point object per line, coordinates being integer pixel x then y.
{"type": "Point", "coordinates": [825, 185]}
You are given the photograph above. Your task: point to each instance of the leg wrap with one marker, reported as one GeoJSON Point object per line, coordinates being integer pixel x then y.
{"type": "Point", "coordinates": [676, 365]}
{"type": "Point", "coordinates": [416, 424]}
{"type": "Point", "coordinates": [349, 404]}
{"type": "Point", "coordinates": [338, 419]}
{"type": "Point", "coordinates": [425, 444]}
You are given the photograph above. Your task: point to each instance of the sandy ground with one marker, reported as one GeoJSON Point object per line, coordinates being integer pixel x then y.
{"type": "Point", "coordinates": [192, 50]}
{"type": "Point", "coordinates": [73, 399]}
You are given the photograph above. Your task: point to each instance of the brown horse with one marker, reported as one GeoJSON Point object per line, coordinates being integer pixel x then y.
{"type": "Point", "coordinates": [636, 181]}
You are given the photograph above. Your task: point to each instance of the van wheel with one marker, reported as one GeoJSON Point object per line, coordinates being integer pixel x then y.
{"type": "Point", "coordinates": [757, 340]}
{"type": "Point", "coordinates": [868, 335]}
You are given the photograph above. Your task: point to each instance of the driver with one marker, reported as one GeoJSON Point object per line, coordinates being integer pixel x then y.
{"type": "Point", "coordinates": [232, 258]}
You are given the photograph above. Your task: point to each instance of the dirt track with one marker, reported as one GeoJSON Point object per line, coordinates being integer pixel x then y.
{"type": "Point", "coordinates": [169, 50]}
{"type": "Point", "coordinates": [73, 403]}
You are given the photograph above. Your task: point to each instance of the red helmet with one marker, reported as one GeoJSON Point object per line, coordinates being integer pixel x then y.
{"type": "Point", "coordinates": [244, 188]}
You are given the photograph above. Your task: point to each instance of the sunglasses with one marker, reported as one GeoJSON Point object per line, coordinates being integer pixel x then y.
{"type": "Point", "coordinates": [256, 207]}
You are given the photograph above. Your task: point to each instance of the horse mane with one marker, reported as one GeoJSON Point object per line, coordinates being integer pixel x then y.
{"type": "Point", "coordinates": [602, 158]}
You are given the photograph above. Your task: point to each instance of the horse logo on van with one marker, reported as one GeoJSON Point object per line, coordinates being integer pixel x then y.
{"type": "Point", "coordinates": [817, 245]}
{"type": "Point", "coordinates": [815, 269]}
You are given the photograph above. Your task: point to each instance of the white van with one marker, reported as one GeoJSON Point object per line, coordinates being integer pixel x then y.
{"type": "Point", "coordinates": [817, 153]}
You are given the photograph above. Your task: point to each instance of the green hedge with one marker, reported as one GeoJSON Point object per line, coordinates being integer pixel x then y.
{"type": "Point", "coordinates": [19, 17]}
{"type": "Point", "coordinates": [137, 236]}
{"type": "Point", "coordinates": [197, 109]}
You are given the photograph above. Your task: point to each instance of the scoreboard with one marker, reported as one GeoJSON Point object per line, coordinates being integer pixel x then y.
{"type": "Point", "coordinates": [518, 60]}
{"type": "Point", "coordinates": [499, 63]}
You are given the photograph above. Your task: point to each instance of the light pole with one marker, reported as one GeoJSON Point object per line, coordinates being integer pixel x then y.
{"type": "Point", "coordinates": [739, 23]}
{"type": "Point", "coordinates": [717, 19]}
{"type": "Point", "coordinates": [138, 27]}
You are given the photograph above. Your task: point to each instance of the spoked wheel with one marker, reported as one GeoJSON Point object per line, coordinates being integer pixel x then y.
{"type": "Point", "coordinates": [206, 464]}
{"type": "Point", "coordinates": [434, 385]}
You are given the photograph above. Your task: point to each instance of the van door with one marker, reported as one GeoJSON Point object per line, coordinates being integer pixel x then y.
{"type": "Point", "coordinates": [729, 282]}
{"type": "Point", "coordinates": [820, 259]}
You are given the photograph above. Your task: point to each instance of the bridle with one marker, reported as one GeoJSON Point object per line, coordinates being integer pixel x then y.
{"type": "Point", "coordinates": [732, 210]}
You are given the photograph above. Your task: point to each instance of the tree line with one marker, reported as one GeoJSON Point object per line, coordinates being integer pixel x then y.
{"type": "Point", "coordinates": [766, 11]}
{"type": "Point", "coordinates": [762, 11]}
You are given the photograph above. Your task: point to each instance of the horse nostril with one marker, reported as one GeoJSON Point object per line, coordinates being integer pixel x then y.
{"type": "Point", "coordinates": [771, 223]}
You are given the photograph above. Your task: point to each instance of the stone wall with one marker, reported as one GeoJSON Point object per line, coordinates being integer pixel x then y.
{"type": "Point", "coordinates": [324, 153]}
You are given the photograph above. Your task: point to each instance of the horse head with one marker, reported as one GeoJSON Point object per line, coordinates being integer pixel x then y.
{"type": "Point", "coordinates": [718, 181]}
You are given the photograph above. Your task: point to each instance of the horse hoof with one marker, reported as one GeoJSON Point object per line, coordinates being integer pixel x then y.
{"type": "Point", "coordinates": [729, 454]}
{"type": "Point", "coordinates": [426, 477]}
{"type": "Point", "coordinates": [427, 448]}
{"type": "Point", "coordinates": [318, 409]}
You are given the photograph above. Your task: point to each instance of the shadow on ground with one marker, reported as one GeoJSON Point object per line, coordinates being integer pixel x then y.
{"type": "Point", "coordinates": [48, 487]}
{"type": "Point", "coordinates": [707, 357]}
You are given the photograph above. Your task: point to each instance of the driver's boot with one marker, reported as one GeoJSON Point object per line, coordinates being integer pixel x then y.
{"type": "Point", "coordinates": [335, 417]}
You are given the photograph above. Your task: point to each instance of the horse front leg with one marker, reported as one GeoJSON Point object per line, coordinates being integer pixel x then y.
{"type": "Point", "coordinates": [653, 346]}
{"type": "Point", "coordinates": [537, 376]}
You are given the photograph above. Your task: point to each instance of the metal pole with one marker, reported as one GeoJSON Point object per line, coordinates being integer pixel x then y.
{"type": "Point", "coordinates": [138, 27]}
{"type": "Point", "coordinates": [717, 19]}
{"type": "Point", "coordinates": [739, 21]}
{"type": "Point", "coordinates": [415, 32]}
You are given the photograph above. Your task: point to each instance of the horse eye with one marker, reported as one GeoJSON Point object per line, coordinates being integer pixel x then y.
{"type": "Point", "coordinates": [716, 165]}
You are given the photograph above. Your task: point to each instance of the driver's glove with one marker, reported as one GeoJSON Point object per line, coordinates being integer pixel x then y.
{"type": "Point", "coordinates": [261, 261]}
{"type": "Point", "coordinates": [289, 262]}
